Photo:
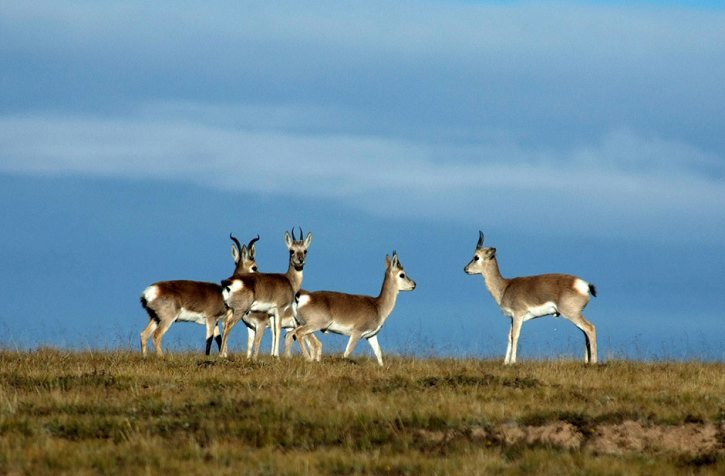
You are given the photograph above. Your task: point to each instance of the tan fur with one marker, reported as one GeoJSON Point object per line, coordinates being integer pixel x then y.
{"type": "Point", "coordinates": [529, 297]}
{"type": "Point", "coordinates": [353, 315]}
{"type": "Point", "coordinates": [194, 296]}
{"type": "Point", "coordinates": [276, 290]}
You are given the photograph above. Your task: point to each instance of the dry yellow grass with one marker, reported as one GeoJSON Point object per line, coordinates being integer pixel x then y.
{"type": "Point", "coordinates": [115, 412]}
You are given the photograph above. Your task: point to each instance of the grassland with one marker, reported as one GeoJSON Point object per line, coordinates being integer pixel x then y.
{"type": "Point", "coordinates": [114, 412]}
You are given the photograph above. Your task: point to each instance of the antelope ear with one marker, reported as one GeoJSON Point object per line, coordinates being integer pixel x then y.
{"type": "Point", "coordinates": [288, 239]}
{"type": "Point", "coordinates": [252, 251]}
{"type": "Point", "coordinates": [491, 253]}
{"type": "Point", "coordinates": [245, 253]}
{"type": "Point", "coordinates": [235, 254]}
{"type": "Point", "coordinates": [387, 261]}
{"type": "Point", "coordinates": [395, 262]}
{"type": "Point", "coordinates": [308, 240]}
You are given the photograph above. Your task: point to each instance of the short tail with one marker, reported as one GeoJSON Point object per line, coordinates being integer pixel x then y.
{"type": "Point", "coordinates": [592, 290]}
{"type": "Point", "coordinates": [151, 312]}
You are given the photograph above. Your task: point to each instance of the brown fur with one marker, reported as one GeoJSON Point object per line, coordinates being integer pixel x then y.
{"type": "Point", "coordinates": [193, 296]}
{"type": "Point", "coordinates": [278, 290]}
{"type": "Point", "coordinates": [357, 316]}
{"type": "Point", "coordinates": [529, 297]}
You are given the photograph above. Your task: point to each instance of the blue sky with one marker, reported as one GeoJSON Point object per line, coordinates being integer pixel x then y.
{"type": "Point", "coordinates": [581, 137]}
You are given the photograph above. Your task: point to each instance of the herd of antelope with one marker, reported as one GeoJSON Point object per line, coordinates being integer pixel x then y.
{"type": "Point", "coordinates": [277, 301]}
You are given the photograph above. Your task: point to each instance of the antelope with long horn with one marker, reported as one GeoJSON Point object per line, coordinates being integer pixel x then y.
{"type": "Point", "coordinates": [271, 294]}
{"type": "Point", "coordinates": [529, 297]}
{"type": "Point", "coordinates": [352, 315]}
{"type": "Point", "coordinates": [167, 302]}
{"type": "Point", "coordinates": [258, 322]}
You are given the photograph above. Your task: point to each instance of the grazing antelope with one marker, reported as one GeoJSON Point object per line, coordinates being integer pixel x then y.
{"type": "Point", "coordinates": [530, 297]}
{"type": "Point", "coordinates": [271, 294]}
{"type": "Point", "coordinates": [350, 314]}
{"type": "Point", "coordinates": [192, 301]}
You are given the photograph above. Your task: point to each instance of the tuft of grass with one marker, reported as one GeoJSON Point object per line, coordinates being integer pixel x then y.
{"type": "Point", "coordinates": [116, 412]}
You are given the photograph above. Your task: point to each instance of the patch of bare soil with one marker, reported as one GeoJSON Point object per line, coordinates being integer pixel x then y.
{"type": "Point", "coordinates": [690, 438]}
{"type": "Point", "coordinates": [629, 436]}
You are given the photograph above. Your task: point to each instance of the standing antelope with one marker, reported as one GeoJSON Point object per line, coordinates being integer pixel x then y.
{"type": "Point", "coordinates": [257, 322]}
{"type": "Point", "coordinates": [271, 294]}
{"type": "Point", "coordinates": [350, 314]}
{"type": "Point", "coordinates": [192, 301]}
{"type": "Point", "coordinates": [530, 297]}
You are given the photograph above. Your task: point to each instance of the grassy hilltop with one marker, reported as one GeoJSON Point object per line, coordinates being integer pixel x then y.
{"type": "Point", "coordinates": [114, 412]}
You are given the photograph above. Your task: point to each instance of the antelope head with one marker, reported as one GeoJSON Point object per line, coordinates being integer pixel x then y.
{"type": "Point", "coordinates": [244, 255]}
{"type": "Point", "coordinates": [480, 257]}
{"type": "Point", "coordinates": [297, 248]}
{"type": "Point", "coordinates": [397, 273]}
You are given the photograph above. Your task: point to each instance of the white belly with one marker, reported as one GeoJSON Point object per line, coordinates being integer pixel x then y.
{"type": "Point", "coordinates": [372, 332]}
{"type": "Point", "coordinates": [190, 316]}
{"type": "Point", "coordinates": [545, 309]}
{"type": "Point", "coordinates": [259, 306]}
{"type": "Point", "coordinates": [340, 329]}
{"type": "Point", "coordinates": [532, 312]}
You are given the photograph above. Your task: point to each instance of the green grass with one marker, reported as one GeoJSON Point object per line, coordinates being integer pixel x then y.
{"type": "Point", "coordinates": [115, 412]}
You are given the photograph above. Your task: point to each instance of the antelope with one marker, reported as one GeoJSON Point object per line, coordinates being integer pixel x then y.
{"type": "Point", "coordinates": [271, 294]}
{"type": "Point", "coordinates": [192, 301]}
{"type": "Point", "coordinates": [530, 297]}
{"type": "Point", "coordinates": [257, 322]}
{"type": "Point", "coordinates": [352, 315]}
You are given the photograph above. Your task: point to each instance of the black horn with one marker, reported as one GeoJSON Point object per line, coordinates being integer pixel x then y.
{"type": "Point", "coordinates": [236, 242]}
{"type": "Point", "coordinates": [293, 234]}
{"type": "Point", "coordinates": [252, 241]}
{"type": "Point", "coordinates": [302, 233]}
{"type": "Point", "coordinates": [480, 239]}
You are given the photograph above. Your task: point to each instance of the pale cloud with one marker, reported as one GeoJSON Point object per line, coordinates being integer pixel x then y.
{"type": "Point", "coordinates": [624, 184]}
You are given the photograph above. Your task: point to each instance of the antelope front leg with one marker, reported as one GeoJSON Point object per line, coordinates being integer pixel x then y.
{"type": "Point", "coordinates": [376, 349]}
{"type": "Point", "coordinates": [250, 341]}
{"type": "Point", "coordinates": [507, 359]}
{"type": "Point", "coordinates": [276, 331]}
{"type": "Point", "coordinates": [516, 323]}
{"type": "Point", "coordinates": [259, 333]}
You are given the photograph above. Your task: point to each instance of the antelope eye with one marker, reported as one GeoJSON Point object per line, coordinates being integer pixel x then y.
{"type": "Point", "coordinates": [291, 252]}
{"type": "Point", "coordinates": [476, 258]}
{"type": "Point", "coordinates": [254, 268]}
{"type": "Point", "coordinates": [305, 252]}
{"type": "Point", "coordinates": [227, 289]}
{"type": "Point", "coordinates": [402, 275]}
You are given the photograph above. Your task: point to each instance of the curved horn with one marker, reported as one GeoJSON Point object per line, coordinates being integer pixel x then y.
{"type": "Point", "coordinates": [293, 234]}
{"type": "Point", "coordinates": [236, 242]}
{"type": "Point", "coordinates": [252, 241]}
{"type": "Point", "coordinates": [302, 233]}
{"type": "Point", "coordinates": [480, 239]}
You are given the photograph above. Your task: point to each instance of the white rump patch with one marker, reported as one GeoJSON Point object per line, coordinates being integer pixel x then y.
{"type": "Point", "coordinates": [581, 286]}
{"type": "Point", "coordinates": [151, 293]}
{"type": "Point", "coordinates": [236, 285]}
{"type": "Point", "coordinates": [190, 316]}
{"type": "Point", "coordinates": [303, 300]}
